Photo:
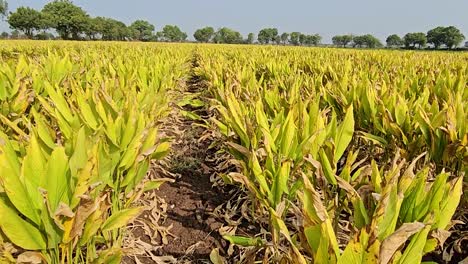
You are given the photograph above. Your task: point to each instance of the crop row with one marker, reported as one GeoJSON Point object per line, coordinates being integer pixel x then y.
{"type": "Point", "coordinates": [78, 130]}
{"type": "Point", "coordinates": [350, 156]}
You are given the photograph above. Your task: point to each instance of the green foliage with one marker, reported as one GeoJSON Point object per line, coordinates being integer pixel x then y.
{"type": "Point", "coordinates": [367, 40]}
{"type": "Point", "coordinates": [413, 39]}
{"type": "Point", "coordinates": [294, 38]}
{"type": "Point", "coordinates": [173, 33]}
{"type": "Point", "coordinates": [436, 36]}
{"type": "Point", "coordinates": [228, 36]}
{"type": "Point", "coordinates": [107, 29]}
{"type": "Point", "coordinates": [3, 8]}
{"type": "Point", "coordinates": [66, 18]}
{"type": "Point", "coordinates": [284, 38]}
{"type": "Point", "coordinates": [342, 40]}
{"type": "Point", "coordinates": [142, 30]}
{"type": "Point", "coordinates": [73, 157]}
{"type": "Point", "coordinates": [267, 35]}
{"type": "Point", "coordinates": [250, 38]}
{"type": "Point", "coordinates": [305, 126]}
{"type": "Point", "coordinates": [204, 34]}
{"type": "Point", "coordinates": [27, 20]}
{"type": "Point", "coordinates": [394, 41]}
{"type": "Point", "coordinates": [453, 37]}
{"type": "Point", "coordinates": [448, 36]}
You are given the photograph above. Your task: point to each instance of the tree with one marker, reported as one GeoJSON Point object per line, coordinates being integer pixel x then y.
{"type": "Point", "coordinates": [359, 41]}
{"type": "Point", "coordinates": [27, 20]}
{"type": "Point", "coordinates": [142, 30]}
{"type": "Point", "coordinates": [310, 39]}
{"type": "Point", "coordinates": [66, 18]}
{"type": "Point", "coordinates": [413, 39]}
{"type": "Point", "coordinates": [294, 38]}
{"type": "Point", "coordinates": [204, 34]}
{"type": "Point", "coordinates": [44, 36]}
{"type": "Point", "coordinates": [342, 40]}
{"type": "Point", "coordinates": [278, 40]}
{"type": "Point", "coordinates": [15, 34]}
{"type": "Point", "coordinates": [448, 36]}
{"type": "Point", "coordinates": [267, 35]}
{"type": "Point", "coordinates": [173, 33]}
{"type": "Point", "coordinates": [109, 29]}
{"type": "Point", "coordinates": [250, 38]}
{"type": "Point", "coordinates": [452, 37]}
{"type": "Point", "coordinates": [3, 8]}
{"type": "Point", "coordinates": [436, 36]}
{"type": "Point", "coordinates": [394, 41]}
{"type": "Point", "coordinates": [316, 39]}
{"type": "Point", "coordinates": [367, 40]}
{"type": "Point", "coordinates": [227, 35]}
{"type": "Point", "coordinates": [302, 39]}
{"type": "Point", "coordinates": [4, 35]}
{"type": "Point", "coordinates": [93, 28]}
{"type": "Point", "coordinates": [284, 38]}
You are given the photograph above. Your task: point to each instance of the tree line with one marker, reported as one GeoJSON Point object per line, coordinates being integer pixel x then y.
{"type": "Point", "coordinates": [71, 22]}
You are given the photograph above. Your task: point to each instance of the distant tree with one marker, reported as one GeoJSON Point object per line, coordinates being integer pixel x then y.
{"type": "Point", "coordinates": [452, 37]}
{"type": "Point", "coordinates": [27, 20]}
{"type": "Point", "coordinates": [367, 40]}
{"type": "Point", "coordinates": [436, 36]}
{"type": "Point", "coordinates": [250, 38]}
{"type": "Point", "coordinates": [342, 40]}
{"type": "Point", "coordinates": [142, 30]}
{"type": "Point", "coordinates": [44, 36]}
{"type": "Point", "coordinates": [358, 41]}
{"type": "Point", "coordinates": [284, 38]}
{"type": "Point", "coordinates": [313, 39]}
{"type": "Point", "coordinates": [448, 36]}
{"type": "Point", "coordinates": [204, 34]}
{"type": "Point", "coordinates": [66, 18]}
{"type": "Point", "coordinates": [4, 35]}
{"type": "Point", "coordinates": [93, 28]}
{"type": "Point", "coordinates": [3, 8]}
{"type": "Point", "coordinates": [413, 39]}
{"type": "Point", "coordinates": [278, 40]}
{"type": "Point", "coordinates": [111, 29]}
{"type": "Point", "coordinates": [302, 39]}
{"type": "Point", "coordinates": [158, 36]}
{"type": "Point", "coordinates": [394, 41]}
{"type": "Point", "coordinates": [294, 38]}
{"type": "Point", "coordinates": [173, 33]}
{"type": "Point", "coordinates": [267, 35]}
{"type": "Point", "coordinates": [15, 34]}
{"type": "Point", "coordinates": [227, 35]}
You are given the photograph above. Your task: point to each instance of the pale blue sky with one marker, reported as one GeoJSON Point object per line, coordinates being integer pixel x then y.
{"type": "Point", "coordinates": [326, 17]}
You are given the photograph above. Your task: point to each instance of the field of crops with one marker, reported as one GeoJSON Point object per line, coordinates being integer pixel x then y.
{"type": "Point", "coordinates": [338, 156]}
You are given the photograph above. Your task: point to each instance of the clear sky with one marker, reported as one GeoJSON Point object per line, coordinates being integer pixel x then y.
{"type": "Point", "coordinates": [326, 17]}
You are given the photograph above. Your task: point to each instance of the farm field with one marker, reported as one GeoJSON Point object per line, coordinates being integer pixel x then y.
{"type": "Point", "coordinates": [116, 152]}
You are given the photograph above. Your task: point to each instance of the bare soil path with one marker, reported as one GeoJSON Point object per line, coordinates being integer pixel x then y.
{"type": "Point", "coordinates": [180, 225]}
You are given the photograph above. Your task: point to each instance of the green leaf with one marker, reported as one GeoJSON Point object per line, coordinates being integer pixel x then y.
{"type": "Point", "coordinates": [57, 179]}
{"type": "Point", "coordinates": [155, 184]}
{"type": "Point", "coordinates": [393, 242]}
{"type": "Point", "coordinates": [244, 241]}
{"type": "Point", "coordinates": [449, 204]}
{"type": "Point", "coordinates": [344, 134]}
{"type": "Point", "coordinates": [327, 168]}
{"type": "Point", "coordinates": [161, 150]}
{"type": "Point", "coordinates": [414, 251]}
{"type": "Point", "coordinates": [280, 183]}
{"type": "Point", "coordinates": [121, 218]}
{"type": "Point", "coordinates": [11, 182]}
{"type": "Point", "coordinates": [79, 158]}
{"type": "Point", "coordinates": [20, 232]}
